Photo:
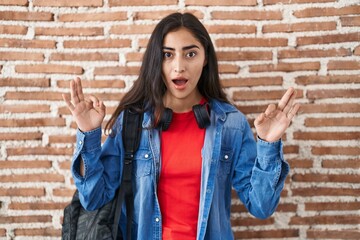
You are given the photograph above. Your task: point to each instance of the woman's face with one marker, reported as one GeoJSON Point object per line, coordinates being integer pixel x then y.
{"type": "Point", "coordinates": [183, 62]}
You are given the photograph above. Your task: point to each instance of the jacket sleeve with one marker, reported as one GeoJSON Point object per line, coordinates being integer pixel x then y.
{"type": "Point", "coordinates": [260, 173]}
{"type": "Point", "coordinates": [102, 168]}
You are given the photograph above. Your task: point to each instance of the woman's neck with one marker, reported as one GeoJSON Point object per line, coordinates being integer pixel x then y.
{"type": "Point", "coordinates": [180, 105]}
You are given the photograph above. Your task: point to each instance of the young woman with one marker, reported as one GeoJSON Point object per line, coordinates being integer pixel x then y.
{"type": "Point", "coordinates": [186, 166]}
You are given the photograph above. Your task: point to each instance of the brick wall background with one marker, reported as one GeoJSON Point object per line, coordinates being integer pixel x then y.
{"type": "Point", "coordinates": [264, 46]}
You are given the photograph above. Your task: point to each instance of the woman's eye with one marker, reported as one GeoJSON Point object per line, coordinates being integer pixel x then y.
{"type": "Point", "coordinates": [167, 55]}
{"type": "Point", "coordinates": [191, 54]}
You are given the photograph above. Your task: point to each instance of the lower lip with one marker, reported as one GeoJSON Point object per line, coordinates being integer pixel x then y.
{"type": "Point", "coordinates": [180, 87]}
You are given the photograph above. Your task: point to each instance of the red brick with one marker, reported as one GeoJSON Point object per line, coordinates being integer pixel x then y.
{"type": "Point", "coordinates": [95, 84]}
{"type": "Point", "coordinates": [116, 71]}
{"type": "Point", "coordinates": [222, 29]}
{"type": "Point", "coordinates": [14, 2]}
{"type": "Point", "coordinates": [325, 220]}
{"type": "Point", "coordinates": [14, 56]}
{"type": "Point", "coordinates": [357, 51]}
{"type": "Point", "coordinates": [134, 56]}
{"type": "Point", "coordinates": [299, 27]}
{"type": "Point", "coordinates": [333, 93]}
{"type": "Point", "coordinates": [26, 16]}
{"type": "Point", "coordinates": [160, 14]}
{"type": "Point", "coordinates": [249, 82]}
{"type": "Point", "coordinates": [222, 3]}
{"type": "Point", "coordinates": [278, 233]}
{"type": "Point", "coordinates": [49, 68]}
{"type": "Point", "coordinates": [228, 68]}
{"type": "Point", "coordinates": [326, 39]}
{"type": "Point", "coordinates": [285, 67]}
{"type": "Point", "coordinates": [132, 29]}
{"type": "Point", "coordinates": [39, 151]}
{"type": "Point", "coordinates": [316, 177]}
{"type": "Point", "coordinates": [31, 108]}
{"type": "Point", "coordinates": [107, 43]}
{"type": "Point", "coordinates": [43, 177]}
{"type": "Point", "coordinates": [2, 230]}
{"type": "Point", "coordinates": [330, 108]}
{"type": "Point", "coordinates": [271, 2]}
{"type": "Point", "coordinates": [246, 15]}
{"type": "Point", "coordinates": [322, 12]}
{"type": "Point", "coordinates": [19, 43]}
{"type": "Point", "coordinates": [343, 65]}
{"type": "Point", "coordinates": [46, 232]}
{"type": "Point", "coordinates": [326, 135]}
{"type": "Point", "coordinates": [37, 205]}
{"type": "Point", "coordinates": [316, 191]}
{"type": "Point", "coordinates": [9, 29]}
{"type": "Point", "coordinates": [318, 53]}
{"type": "Point", "coordinates": [19, 82]}
{"type": "Point", "coordinates": [332, 206]}
{"type": "Point", "coordinates": [86, 31]}
{"type": "Point", "coordinates": [23, 192]}
{"type": "Point", "coordinates": [19, 95]}
{"type": "Point", "coordinates": [26, 219]}
{"type": "Point", "coordinates": [28, 164]}
{"type": "Point", "coordinates": [335, 151]}
{"type": "Point", "coordinates": [34, 122]}
{"type": "Point", "coordinates": [350, 21]}
{"type": "Point", "coordinates": [288, 149]}
{"type": "Point", "coordinates": [333, 234]}
{"type": "Point", "coordinates": [240, 221]}
{"type": "Point", "coordinates": [67, 3]}
{"type": "Point", "coordinates": [62, 139]}
{"type": "Point", "coordinates": [63, 192]}
{"type": "Point", "coordinates": [330, 79]}
{"type": "Point", "coordinates": [260, 95]}
{"type": "Point", "coordinates": [114, 3]}
{"type": "Point", "coordinates": [21, 136]}
{"type": "Point", "coordinates": [94, 16]}
{"type": "Point", "coordinates": [300, 163]}
{"type": "Point", "coordinates": [351, 163]}
{"type": "Point", "coordinates": [244, 55]}
{"type": "Point", "coordinates": [96, 56]}
{"type": "Point", "coordinates": [251, 42]}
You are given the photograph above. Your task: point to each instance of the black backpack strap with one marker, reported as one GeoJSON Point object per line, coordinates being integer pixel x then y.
{"type": "Point", "coordinates": [131, 134]}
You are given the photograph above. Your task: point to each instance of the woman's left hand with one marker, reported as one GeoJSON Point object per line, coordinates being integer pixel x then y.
{"type": "Point", "coordinates": [271, 124]}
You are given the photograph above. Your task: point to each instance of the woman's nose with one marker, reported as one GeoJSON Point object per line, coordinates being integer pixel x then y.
{"type": "Point", "coordinates": [179, 65]}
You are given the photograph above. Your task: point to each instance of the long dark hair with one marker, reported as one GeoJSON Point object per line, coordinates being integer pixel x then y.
{"type": "Point", "coordinates": [148, 90]}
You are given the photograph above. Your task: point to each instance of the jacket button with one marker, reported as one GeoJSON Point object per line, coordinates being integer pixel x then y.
{"type": "Point", "coordinates": [226, 157]}
{"type": "Point", "coordinates": [157, 219]}
{"type": "Point", "coordinates": [146, 155]}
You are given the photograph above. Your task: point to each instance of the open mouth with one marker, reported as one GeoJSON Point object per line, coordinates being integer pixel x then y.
{"type": "Point", "coordinates": [180, 81]}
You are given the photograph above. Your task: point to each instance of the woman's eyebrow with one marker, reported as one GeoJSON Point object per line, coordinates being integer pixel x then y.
{"type": "Point", "coordinates": [184, 48]}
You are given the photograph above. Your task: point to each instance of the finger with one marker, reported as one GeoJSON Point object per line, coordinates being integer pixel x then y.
{"type": "Point", "coordinates": [260, 119]}
{"type": "Point", "coordinates": [73, 92]}
{"type": "Point", "coordinates": [269, 110]}
{"type": "Point", "coordinates": [102, 108]}
{"type": "Point", "coordinates": [289, 105]}
{"type": "Point", "coordinates": [290, 115]}
{"type": "Point", "coordinates": [285, 98]}
{"type": "Point", "coordinates": [95, 101]}
{"type": "Point", "coordinates": [79, 88]}
{"type": "Point", "coordinates": [68, 103]}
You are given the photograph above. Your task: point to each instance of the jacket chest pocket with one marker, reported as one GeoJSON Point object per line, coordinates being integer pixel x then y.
{"type": "Point", "coordinates": [226, 156]}
{"type": "Point", "coordinates": [142, 163]}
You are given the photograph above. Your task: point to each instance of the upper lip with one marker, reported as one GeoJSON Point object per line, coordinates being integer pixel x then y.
{"type": "Point", "coordinates": [180, 78]}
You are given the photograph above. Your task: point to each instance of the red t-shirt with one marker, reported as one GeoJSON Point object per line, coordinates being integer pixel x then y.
{"type": "Point", "coordinates": [180, 177]}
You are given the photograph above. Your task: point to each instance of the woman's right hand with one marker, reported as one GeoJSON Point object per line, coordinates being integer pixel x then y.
{"type": "Point", "coordinates": [88, 112]}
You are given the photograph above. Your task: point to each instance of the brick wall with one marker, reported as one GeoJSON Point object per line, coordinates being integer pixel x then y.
{"type": "Point", "coordinates": [264, 46]}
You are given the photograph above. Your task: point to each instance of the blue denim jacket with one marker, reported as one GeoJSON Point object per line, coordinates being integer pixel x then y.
{"type": "Point", "coordinates": [231, 159]}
